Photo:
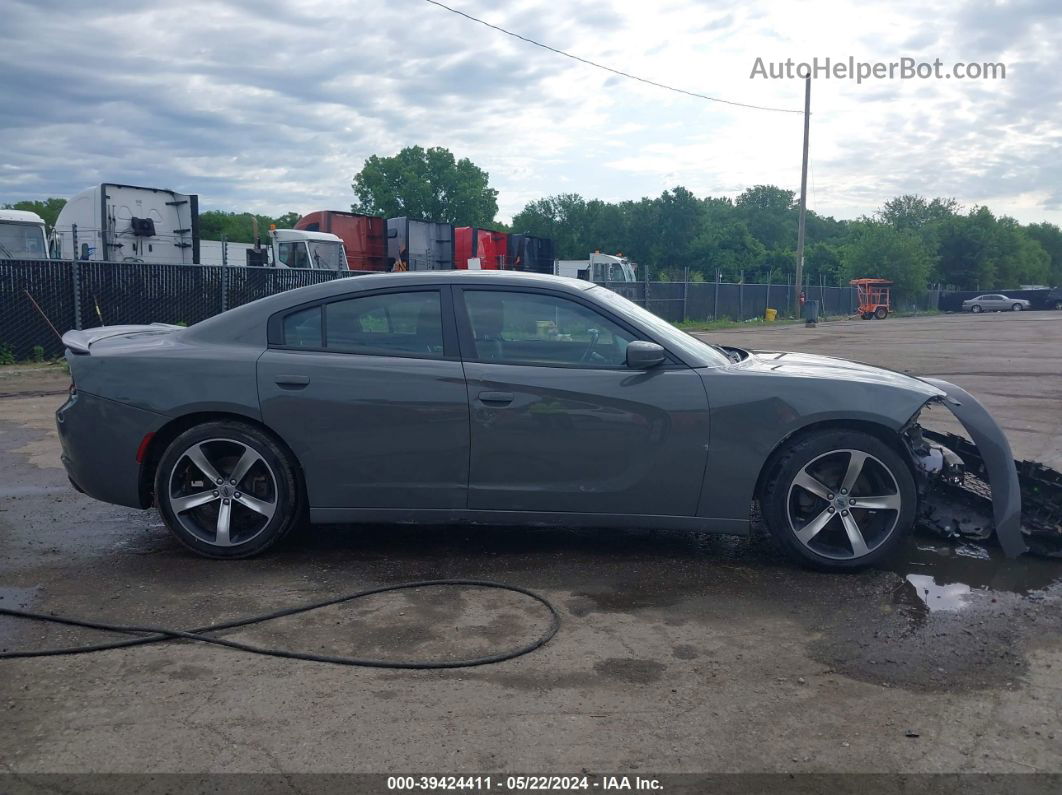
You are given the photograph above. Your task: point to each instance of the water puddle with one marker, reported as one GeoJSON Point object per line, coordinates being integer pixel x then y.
{"type": "Point", "coordinates": [943, 577]}
{"type": "Point", "coordinates": [939, 598]}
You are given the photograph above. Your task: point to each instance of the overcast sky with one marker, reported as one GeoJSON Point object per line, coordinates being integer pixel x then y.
{"type": "Point", "coordinates": [272, 105]}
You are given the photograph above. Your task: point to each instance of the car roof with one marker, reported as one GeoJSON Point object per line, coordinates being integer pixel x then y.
{"type": "Point", "coordinates": [374, 281]}
{"type": "Point", "coordinates": [241, 320]}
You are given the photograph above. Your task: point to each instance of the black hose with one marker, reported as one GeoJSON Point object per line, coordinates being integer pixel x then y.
{"type": "Point", "coordinates": [157, 634]}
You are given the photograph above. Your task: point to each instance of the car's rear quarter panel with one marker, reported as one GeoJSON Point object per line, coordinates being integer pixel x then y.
{"type": "Point", "coordinates": [129, 388]}
{"type": "Point", "coordinates": [100, 439]}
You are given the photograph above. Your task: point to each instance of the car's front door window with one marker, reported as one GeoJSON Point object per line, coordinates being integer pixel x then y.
{"type": "Point", "coordinates": [542, 329]}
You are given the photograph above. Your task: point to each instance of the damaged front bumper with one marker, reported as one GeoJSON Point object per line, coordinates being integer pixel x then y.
{"type": "Point", "coordinates": [947, 505]}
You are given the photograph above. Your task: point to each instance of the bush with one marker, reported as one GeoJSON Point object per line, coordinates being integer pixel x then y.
{"type": "Point", "coordinates": [38, 353]}
{"type": "Point", "coordinates": [7, 354]}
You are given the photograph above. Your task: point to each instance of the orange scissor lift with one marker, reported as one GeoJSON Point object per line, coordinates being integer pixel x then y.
{"type": "Point", "coordinates": [874, 298]}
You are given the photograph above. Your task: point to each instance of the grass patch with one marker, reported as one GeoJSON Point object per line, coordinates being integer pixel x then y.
{"type": "Point", "coordinates": [725, 323]}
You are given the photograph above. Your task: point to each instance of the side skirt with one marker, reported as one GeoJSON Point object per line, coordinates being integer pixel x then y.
{"type": "Point", "coordinates": [525, 519]}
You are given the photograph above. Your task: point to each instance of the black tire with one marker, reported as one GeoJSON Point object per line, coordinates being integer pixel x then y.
{"type": "Point", "coordinates": [829, 449]}
{"type": "Point", "coordinates": [270, 484]}
{"type": "Point", "coordinates": [1016, 308]}
{"type": "Point", "coordinates": [867, 316]}
{"type": "Point", "coordinates": [881, 313]}
{"type": "Point", "coordinates": [976, 309]}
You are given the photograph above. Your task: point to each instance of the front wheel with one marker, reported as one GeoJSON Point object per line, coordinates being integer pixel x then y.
{"type": "Point", "coordinates": [839, 500]}
{"type": "Point", "coordinates": [976, 309]}
{"type": "Point", "coordinates": [881, 313]}
{"type": "Point", "coordinates": [227, 490]}
{"type": "Point", "coordinates": [1017, 307]}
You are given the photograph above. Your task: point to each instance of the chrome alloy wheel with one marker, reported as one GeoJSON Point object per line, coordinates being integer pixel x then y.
{"type": "Point", "coordinates": [222, 492]}
{"type": "Point", "coordinates": [843, 504]}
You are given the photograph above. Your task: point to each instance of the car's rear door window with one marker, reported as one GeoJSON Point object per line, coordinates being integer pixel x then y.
{"type": "Point", "coordinates": [538, 328]}
{"type": "Point", "coordinates": [406, 323]}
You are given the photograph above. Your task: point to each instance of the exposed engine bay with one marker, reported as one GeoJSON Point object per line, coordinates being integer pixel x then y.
{"type": "Point", "coordinates": [957, 496]}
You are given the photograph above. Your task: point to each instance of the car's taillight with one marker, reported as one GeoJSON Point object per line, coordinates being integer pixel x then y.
{"type": "Point", "coordinates": [72, 390]}
{"type": "Point", "coordinates": [141, 450]}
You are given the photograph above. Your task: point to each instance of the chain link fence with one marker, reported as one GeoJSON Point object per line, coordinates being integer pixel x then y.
{"type": "Point", "coordinates": [700, 301]}
{"type": "Point", "coordinates": [41, 299]}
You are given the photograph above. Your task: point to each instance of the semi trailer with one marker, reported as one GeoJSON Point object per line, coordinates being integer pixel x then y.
{"type": "Point", "coordinates": [482, 249]}
{"type": "Point", "coordinates": [364, 236]}
{"type": "Point", "coordinates": [418, 245]}
{"type": "Point", "coordinates": [111, 222]}
{"type": "Point", "coordinates": [128, 223]}
{"type": "Point", "coordinates": [530, 253]}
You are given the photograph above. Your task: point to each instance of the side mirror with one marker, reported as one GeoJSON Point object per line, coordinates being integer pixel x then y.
{"type": "Point", "coordinates": [642, 355]}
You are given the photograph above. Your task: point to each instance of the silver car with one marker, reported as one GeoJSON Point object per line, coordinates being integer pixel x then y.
{"type": "Point", "coordinates": [994, 302]}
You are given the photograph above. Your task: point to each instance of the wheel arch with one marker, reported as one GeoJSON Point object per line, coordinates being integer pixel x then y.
{"type": "Point", "coordinates": [178, 425]}
{"type": "Point", "coordinates": [880, 431]}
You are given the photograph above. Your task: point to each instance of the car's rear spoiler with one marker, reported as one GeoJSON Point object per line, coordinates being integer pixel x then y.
{"type": "Point", "coordinates": [79, 342]}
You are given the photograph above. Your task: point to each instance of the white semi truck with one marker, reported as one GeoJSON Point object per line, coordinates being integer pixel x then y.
{"type": "Point", "coordinates": [599, 268]}
{"type": "Point", "coordinates": [22, 235]}
{"type": "Point", "coordinates": [127, 223]}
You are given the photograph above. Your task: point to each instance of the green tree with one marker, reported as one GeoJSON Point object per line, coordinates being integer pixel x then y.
{"type": "Point", "coordinates": [879, 250]}
{"type": "Point", "coordinates": [426, 183]}
{"type": "Point", "coordinates": [564, 218]}
{"type": "Point", "coordinates": [770, 214]}
{"type": "Point", "coordinates": [48, 209]}
{"type": "Point", "coordinates": [978, 251]}
{"type": "Point", "coordinates": [1049, 237]}
{"type": "Point", "coordinates": [239, 227]}
{"type": "Point", "coordinates": [914, 213]}
{"type": "Point", "coordinates": [728, 248]}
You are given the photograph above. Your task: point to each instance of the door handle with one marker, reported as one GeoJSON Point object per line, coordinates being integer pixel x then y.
{"type": "Point", "coordinates": [291, 380]}
{"type": "Point", "coordinates": [499, 398]}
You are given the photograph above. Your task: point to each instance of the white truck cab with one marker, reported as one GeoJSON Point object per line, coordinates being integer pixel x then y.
{"type": "Point", "coordinates": [599, 268]}
{"type": "Point", "coordinates": [22, 235]}
{"type": "Point", "coordinates": [297, 248]}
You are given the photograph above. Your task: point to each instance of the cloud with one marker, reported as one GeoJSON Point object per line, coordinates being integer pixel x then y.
{"type": "Point", "coordinates": [272, 105]}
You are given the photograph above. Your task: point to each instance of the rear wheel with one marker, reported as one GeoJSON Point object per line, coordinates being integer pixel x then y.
{"type": "Point", "coordinates": [881, 313]}
{"type": "Point", "coordinates": [839, 500]}
{"type": "Point", "coordinates": [227, 490]}
{"type": "Point", "coordinates": [867, 316]}
{"type": "Point", "coordinates": [976, 309]}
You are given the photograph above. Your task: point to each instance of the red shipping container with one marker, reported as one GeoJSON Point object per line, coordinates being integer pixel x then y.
{"type": "Point", "coordinates": [486, 244]}
{"type": "Point", "coordinates": [364, 236]}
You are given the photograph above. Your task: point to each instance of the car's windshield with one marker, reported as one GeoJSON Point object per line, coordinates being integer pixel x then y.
{"type": "Point", "coordinates": [705, 354]}
{"type": "Point", "coordinates": [22, 241]}
{"type": "Point", "coordinates": [327, 255]}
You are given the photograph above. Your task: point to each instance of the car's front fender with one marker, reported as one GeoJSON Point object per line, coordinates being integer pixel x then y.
{"type": "Point", "coordinates": [998, 459]}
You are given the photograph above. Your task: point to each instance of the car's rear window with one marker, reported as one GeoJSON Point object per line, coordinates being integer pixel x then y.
{"type": "Point", "coordinates": [303, 329]}
{"type": "Point", "coordinates": [406, 323]}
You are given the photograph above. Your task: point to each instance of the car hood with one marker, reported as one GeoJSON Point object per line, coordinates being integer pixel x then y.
{"type": "Point", "coordinates": [808, 365]}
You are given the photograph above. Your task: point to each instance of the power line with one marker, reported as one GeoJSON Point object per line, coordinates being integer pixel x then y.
{"type": "Point", "coordinates": [608, 68]}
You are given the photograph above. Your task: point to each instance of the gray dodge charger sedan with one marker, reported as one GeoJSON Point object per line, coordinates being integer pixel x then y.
{"type": "Point", "coordinates": [502, 398]}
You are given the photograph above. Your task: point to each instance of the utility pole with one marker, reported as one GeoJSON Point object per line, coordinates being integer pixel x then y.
{"type": "Point", "coordinates": [803, 197]}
